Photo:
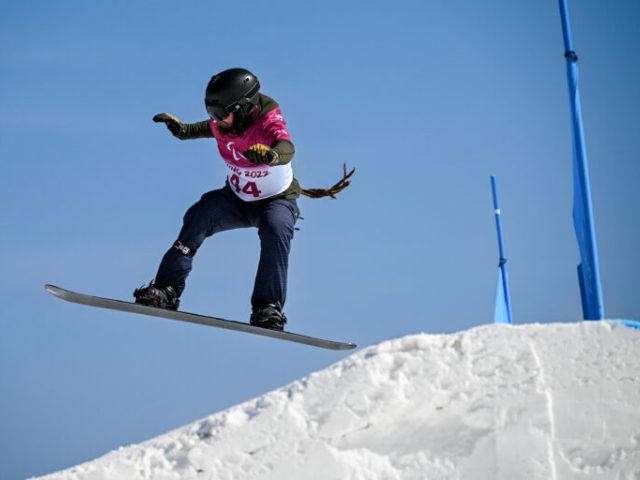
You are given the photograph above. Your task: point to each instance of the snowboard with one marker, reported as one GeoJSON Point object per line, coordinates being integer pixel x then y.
{"type": "Point", "coordinates": [131, 307]}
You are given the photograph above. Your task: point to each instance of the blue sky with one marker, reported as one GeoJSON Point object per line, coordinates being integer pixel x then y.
{"type": "Point", "coordinates": [426, 99]}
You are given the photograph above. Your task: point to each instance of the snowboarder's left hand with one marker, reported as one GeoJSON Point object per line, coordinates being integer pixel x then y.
{"type": "Point", "coordinates": [172, 122]}
{"type": "Point", "coordinates": [261, 154]}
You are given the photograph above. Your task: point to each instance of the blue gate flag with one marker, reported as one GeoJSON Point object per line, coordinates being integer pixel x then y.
{"type": "Point", "coordinates": [588, 270]}
{"type": "Point", "coordinates": [502, 313]}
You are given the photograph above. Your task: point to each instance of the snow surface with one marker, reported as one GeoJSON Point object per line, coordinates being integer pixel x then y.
{"type": "Point", "coordinates": [533, 402]}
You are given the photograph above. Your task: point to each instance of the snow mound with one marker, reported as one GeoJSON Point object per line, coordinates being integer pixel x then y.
{"type": "Point", "coordinates": [534, 402]}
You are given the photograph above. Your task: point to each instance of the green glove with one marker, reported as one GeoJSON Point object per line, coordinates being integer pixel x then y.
{"type": "Point", "coordinates": [261, 154]}
{"type": "Point", "coordinates": [173, 123]}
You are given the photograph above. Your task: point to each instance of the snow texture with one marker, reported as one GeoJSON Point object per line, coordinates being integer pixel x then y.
{"type": "Point", "coordinates": [543, 402]}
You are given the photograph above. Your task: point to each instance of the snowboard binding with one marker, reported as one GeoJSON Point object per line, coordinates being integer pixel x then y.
{"type": "Point", "coordinates": [151, 295]}
{"type": "Point", "coordinates": [268, 315]}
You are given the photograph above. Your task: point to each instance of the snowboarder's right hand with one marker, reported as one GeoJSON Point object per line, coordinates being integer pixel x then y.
{"type": "Point", "coordinates": [173, 123]}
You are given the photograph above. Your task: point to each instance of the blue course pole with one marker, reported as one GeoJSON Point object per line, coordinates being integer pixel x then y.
{"type": "Point", "coordinates": [588, 270]}
{"type": "Point", "coordinates": [503, 300]}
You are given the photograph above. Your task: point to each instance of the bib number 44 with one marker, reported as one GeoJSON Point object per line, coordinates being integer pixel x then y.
{"type": "Point", "coordinates": [249, 188]}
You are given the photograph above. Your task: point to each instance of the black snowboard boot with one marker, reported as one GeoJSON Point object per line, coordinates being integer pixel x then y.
{"type": "Point", "coordinates": [165, 297]}
{"type": "Point", "coordinates": [268, 315]}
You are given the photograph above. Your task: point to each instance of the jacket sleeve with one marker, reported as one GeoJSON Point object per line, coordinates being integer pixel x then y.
{"type": "Point", "coordinates": [285, 150]}
{"type": "Point", "coordinates": [191, 131]}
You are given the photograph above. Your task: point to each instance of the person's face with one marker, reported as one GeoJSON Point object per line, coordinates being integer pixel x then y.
{"type": "Point", "coordinates": [226, 122]}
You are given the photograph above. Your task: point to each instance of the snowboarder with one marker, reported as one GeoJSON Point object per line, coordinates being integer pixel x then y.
{"type": "Point", "coordinates": [260, 191]}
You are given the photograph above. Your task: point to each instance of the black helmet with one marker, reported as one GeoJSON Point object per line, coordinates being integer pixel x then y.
{"type": "Point", "coordinates": [234, 90]}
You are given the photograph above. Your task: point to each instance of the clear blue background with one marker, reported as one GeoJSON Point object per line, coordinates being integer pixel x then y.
{"type": "Point", "coordinates": [426, 98]}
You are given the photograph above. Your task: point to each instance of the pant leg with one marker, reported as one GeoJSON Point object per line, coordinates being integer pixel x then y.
{"type": "Point", "coordinates": [216, 211]}
{"type": "Point", "coordinates": [275, 222]}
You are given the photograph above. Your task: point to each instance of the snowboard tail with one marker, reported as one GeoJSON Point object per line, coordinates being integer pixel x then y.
{"type": "Point", "coordinates": [131, 307]}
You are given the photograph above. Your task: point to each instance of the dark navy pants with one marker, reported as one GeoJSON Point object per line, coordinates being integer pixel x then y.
{"type": "Point", "coordinates": [221, 210]}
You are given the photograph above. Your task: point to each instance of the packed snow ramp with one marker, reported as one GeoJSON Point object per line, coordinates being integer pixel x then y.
{"type": "Point", "coordinates": [547, 402]}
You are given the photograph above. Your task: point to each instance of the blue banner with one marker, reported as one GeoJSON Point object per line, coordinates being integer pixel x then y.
{"type": "Point", "coordinates": [502, 312]}
{"type": "Point", "coordinates": [588, 270]}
